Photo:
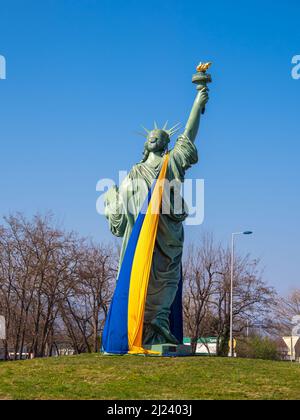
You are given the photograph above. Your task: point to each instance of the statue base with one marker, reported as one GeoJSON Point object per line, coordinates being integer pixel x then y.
{"type": "Point", "coordinates": [163, 350]}
{"type": "Point", "coordinates": [171, 350]}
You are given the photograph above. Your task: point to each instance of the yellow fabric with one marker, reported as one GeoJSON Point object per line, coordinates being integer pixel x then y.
{"type": "Point", "coordinates": [142, 262]}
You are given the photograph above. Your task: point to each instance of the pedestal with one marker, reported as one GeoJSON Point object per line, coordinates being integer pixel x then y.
{"type": "Point", "coordinates": [171, 350]}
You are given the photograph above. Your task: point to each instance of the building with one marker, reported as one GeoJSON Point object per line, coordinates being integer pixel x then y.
{"type": "Point", "coordinates": [205, 346]}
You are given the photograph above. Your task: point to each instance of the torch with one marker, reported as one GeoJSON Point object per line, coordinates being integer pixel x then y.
{"type": "Point", "coordinates": [201, 78]}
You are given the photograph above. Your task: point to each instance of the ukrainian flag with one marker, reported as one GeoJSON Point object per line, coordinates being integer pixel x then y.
{"type": "Point", "coordinates": [123, 331]}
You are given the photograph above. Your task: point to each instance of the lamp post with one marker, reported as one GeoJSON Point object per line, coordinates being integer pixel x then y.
{"type": "Point", "coordinates": [248, 232]}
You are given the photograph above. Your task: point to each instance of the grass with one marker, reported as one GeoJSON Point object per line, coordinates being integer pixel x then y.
{"type": "Point", "coordinates": [135, 377]}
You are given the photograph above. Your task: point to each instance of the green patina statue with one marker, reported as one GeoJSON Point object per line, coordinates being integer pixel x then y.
{"type": "Point", "coordinates": [166, 265]}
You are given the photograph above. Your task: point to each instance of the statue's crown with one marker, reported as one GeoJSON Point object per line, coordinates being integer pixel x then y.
{"type": "Point", "coordinates": [169, 131]}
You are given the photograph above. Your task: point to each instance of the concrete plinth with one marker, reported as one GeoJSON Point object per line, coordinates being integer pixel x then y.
{"type": "Point", "coordinates": [171, 350]}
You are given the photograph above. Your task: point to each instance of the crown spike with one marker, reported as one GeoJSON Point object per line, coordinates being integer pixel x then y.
{"type": "Point", "coordinates": [141, 134]}
{"type": "Point", "coordinates": [155, 125]}
{"type": "Point", "coordinates": [144, 128]}
{"type": "Point", "coordinates": [174, 132]}
{"type": "Point", "coordinates": [176, 127]}
{"type": "Point", "coordinates": [166, 125]}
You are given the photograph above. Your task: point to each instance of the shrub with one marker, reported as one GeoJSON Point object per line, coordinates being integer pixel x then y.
{"type": "Point", "coordinates": [258, 348]}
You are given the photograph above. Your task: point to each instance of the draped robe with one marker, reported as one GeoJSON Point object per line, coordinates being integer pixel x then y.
{"type": "Point", "coordinates": [122, 213]}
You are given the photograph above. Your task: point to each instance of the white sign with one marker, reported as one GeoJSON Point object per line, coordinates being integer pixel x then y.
{"type": "Point", "coordinates": [291, 343]}
{"type": "Point", "coordinates": [2, 328]}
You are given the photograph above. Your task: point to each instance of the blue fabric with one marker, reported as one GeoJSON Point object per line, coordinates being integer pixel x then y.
{"type": "Point", "coordinates": [176, 316]}
{"type": "Point", "coordinates": [115, 333]}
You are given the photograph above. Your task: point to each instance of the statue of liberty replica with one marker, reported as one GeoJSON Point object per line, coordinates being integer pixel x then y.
{"type": "Point", "coordinates": [146, 310]}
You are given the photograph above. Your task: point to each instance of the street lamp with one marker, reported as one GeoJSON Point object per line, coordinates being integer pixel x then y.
{"type": "Point", "coordinates": [247, 232]}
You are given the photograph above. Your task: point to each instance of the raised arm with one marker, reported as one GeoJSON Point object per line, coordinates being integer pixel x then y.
{"type": "Point", "coordinates": [200, 79]}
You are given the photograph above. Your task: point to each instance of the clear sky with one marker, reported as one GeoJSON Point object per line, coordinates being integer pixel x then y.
{"type": "Point", "coordinates": [82, 75]}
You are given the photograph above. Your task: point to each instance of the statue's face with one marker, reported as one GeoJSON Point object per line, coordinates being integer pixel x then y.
{"type": "Point", "coordinates": [157, 141]}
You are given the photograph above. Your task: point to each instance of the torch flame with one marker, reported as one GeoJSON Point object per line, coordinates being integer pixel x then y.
{"type": "Point", "coordinates": [203, 67]}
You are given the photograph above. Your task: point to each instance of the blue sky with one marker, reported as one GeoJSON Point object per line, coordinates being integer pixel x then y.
{"type": "Point", "coordinates": [83, 75]}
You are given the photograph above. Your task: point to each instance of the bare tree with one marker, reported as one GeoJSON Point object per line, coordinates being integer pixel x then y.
{"type": "Point", "coordinates": [85, 307]}
{"type": "Point", "coordinates": [200, 272]}
{"type": "Point", "coordinates": [55, 288]}
{"type": "Point", "coordinates": [286, 319]}
{"type": "Point", "coordinates": [207, 294]}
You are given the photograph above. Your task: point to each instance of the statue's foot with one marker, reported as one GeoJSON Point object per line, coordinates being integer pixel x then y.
{"type": "Point", "coordinates": [164, 332]}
